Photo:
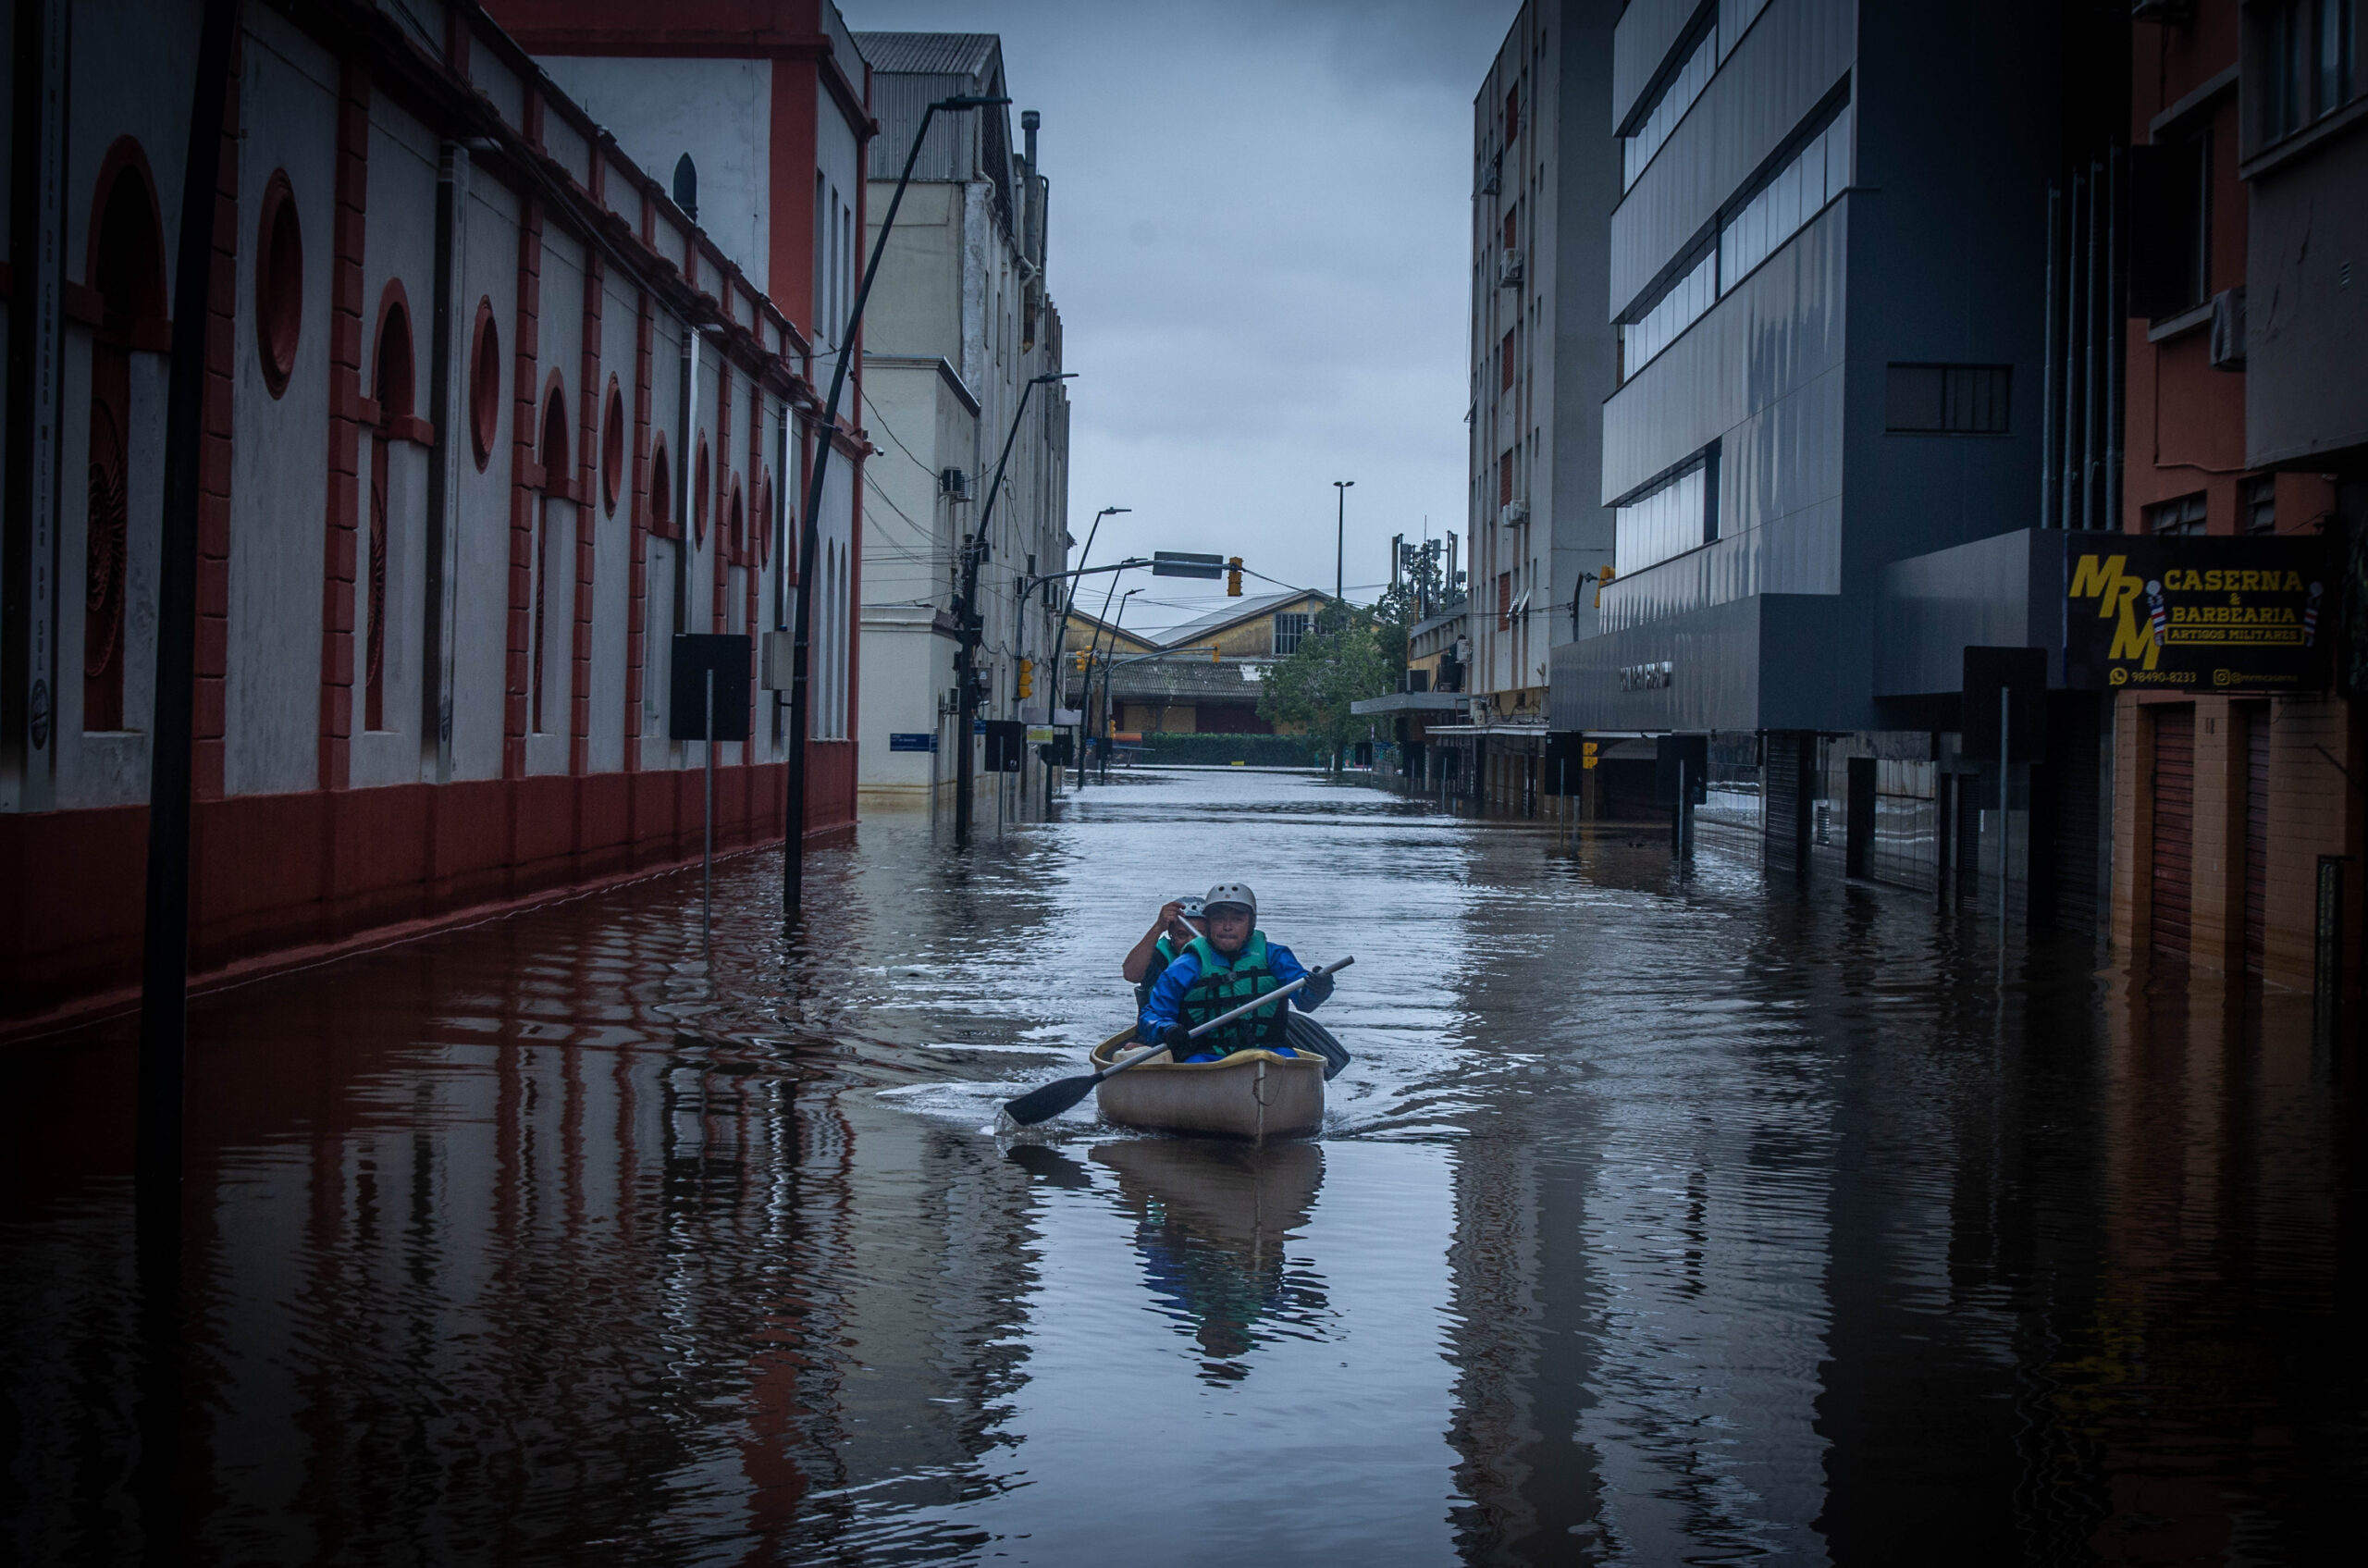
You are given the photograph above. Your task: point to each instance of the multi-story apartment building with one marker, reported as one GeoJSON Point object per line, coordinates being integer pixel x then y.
{"type": "Point", "coordinates": [1545, 178]}
{"type": "Point", "coordinates": [960, 323]}
{"type": "Point", "coordinates": [487, 419]}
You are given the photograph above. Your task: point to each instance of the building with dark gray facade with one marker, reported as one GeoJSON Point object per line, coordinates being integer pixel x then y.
{"type": "Point", "coordinates": [1829, 271]}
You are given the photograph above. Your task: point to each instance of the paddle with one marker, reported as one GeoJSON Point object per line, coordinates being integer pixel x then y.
{"type": "Point", "coordinates": [1041, 1104]}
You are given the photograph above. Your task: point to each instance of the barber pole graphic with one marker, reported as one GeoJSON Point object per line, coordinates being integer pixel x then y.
{"type": "Point", "coordinates": [2162, 617]}
{"type": "Point", "coordinates": [2311, 615]}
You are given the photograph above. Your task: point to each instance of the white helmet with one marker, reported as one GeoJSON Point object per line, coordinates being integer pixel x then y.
{"type": "Point", "coordinates": [1231, 893]}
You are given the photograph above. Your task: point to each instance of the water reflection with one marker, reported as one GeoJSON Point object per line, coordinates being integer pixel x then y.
{"type": "Point", "coordinates": [1659, 1219]}
{"type": "Point", "coordinates": [1213, 1220]}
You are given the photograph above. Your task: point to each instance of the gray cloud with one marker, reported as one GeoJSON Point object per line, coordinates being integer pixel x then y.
{"type": "Point", "coordinates": [1259, 246]}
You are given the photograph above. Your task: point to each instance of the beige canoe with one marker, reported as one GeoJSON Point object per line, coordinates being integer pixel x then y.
{"type": "Point", "coordinates": [1253, 1094]}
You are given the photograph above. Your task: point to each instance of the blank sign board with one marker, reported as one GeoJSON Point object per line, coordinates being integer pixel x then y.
{"type": "Point", "coordinates": [726, 653]}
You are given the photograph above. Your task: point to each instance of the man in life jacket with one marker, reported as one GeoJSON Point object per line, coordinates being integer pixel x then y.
{"type": "Point", "coordinates": [1216, 972]}
{"type": "Point", "coordinates": [1179, 921]}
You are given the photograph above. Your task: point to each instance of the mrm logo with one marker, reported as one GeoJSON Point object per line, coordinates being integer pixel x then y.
{"type": "Point", "coordinates": [2139, 633]}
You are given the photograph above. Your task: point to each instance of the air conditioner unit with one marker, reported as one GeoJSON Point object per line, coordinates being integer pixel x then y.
{"type": "Point", "coordinates": [1508, 270]}
{"type": "Point", "coordinates": [955, 484]}
{"type": "Point", "coordinates": [2228, 328]}
{"type": "Point", "coordinates": [1512, 511]}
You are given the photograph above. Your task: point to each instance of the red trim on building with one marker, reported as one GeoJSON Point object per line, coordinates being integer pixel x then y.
{"type": "Point", "coordinates": [588, 520]}
{"type": "Point", "coordinates": [525, 495]}
{"type": "Point", "coordinates": [638, 584]}
{"type": "Point", "coordinates": [209, 742]}
{"type": "Point", "coordinates": [343, 519]}
{"type": "Point", "coordinates": [282, 880]}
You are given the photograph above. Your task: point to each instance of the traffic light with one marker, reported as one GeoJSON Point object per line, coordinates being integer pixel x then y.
{"type": "Point", "coordinates": [1026, 678]}
{"type": "Point", "coordinates": [1081, 662]}
{"type": "Point", "coordinates": [1233, 578]}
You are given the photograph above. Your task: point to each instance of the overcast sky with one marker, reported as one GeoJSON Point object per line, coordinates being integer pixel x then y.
{"type": "Point", "coordinates": [1258, 248]}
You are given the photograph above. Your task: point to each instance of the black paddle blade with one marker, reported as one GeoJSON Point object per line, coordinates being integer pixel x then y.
{"type": "Point", "coordinates": [1303, 1034]}
{"type": "Point", "coordinates": [1043, 1104]}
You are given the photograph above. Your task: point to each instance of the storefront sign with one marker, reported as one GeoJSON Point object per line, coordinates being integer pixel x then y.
{"type": "Point", "coordinates": [2197, 614]}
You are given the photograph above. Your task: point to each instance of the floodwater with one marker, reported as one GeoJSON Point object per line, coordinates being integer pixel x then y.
{"type": "Point", "coordinates": [1663, 1217]}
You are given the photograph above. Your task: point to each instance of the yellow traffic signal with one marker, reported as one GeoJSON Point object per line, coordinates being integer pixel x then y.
{"type": "Point", "coordinates": [1081, 662]}
{"type": "Point", "coordinates": [1233, 578]}
{"type": "Point", "coordinates": [1028, 677]}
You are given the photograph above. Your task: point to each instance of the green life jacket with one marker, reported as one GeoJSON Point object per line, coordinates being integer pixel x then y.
{"type": "Point", "coordinates": [1163, 953]}
{"type": "Point", "coordinates": [1220, 987]}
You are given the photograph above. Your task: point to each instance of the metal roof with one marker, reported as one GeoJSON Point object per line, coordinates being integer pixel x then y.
{"type": "Point", "coordinates": [949, 54]}
{"type": "Point", "coordinates": [1249, 609]}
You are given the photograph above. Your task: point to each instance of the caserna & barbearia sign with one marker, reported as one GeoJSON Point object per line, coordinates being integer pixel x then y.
{"type": "Point", "coordinates": [2197, 614]}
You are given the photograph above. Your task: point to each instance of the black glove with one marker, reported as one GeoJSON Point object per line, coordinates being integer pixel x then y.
{"type": "Point", "coordinates": [1317, 991]}
{"type": "Point", "coordinates": [1175, 1037]}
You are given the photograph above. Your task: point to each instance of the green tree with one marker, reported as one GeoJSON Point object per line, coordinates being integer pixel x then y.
{"type": "Point", "coordinates": [1337, 663]}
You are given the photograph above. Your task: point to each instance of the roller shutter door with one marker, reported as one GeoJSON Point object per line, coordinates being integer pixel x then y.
{"type": "Point", "coordinates": [2174, 848]}
{"type": "Point", "coordinates": [2256, 833]}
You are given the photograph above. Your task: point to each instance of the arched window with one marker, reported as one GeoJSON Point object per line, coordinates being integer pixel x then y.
{"type": "Point", "coordinates": [485, 384]}
{"type": "Point", "coordinates": [662, 488]}
{"type": "Point", "coordinates": [280, 283]}
{"type": "Point", "coordinates": [698, 496]}
{"type": "Point", "coordinates": [553, 453]}
{"type": "Point", "coordinates": [739, 526]}
{"type": "Point", "coordinates": [613, 448]}
{"type": "Point", "coordinates": [686, 187]}
{"type": "Point", "coordinates": [126, 268]}
{"type": "Point", "coordinates": [392, 382]}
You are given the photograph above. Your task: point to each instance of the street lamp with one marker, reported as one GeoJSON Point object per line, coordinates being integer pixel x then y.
{"type": "Point", "coordinates": [969, 624]}
{"type": "Point", "coordinates": [1106, 725]}
{"type": "Point", "coordinates": [1061, 636]}
{"type": "Point", "coordinates": [800, 697]}
{"type": "Point", "coordinates": [1340, 538]}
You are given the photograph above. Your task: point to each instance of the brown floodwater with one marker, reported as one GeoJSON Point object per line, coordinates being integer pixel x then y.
{"type": "Point", "coordinates": [1664, 1217]}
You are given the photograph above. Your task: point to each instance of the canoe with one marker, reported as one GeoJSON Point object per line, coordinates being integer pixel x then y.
{"type": "Point", "coordinates": [1253, 1094]}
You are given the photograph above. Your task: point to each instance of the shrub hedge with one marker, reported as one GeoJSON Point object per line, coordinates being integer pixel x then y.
{"type": "Point", "coordinates": [1221, 750]}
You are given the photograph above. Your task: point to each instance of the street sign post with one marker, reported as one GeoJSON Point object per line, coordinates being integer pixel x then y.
{"type": "Point", "coordinates": [708, 695]}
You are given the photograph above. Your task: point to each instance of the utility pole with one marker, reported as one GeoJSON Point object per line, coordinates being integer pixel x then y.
{"type": "Point", "coordinates": [1340, 539]}
{"type": "Point", "coordinates": [164, 966]}
{"type": "Point", "coordinates": [970, 624]}
{"type": "Point", "coordinates": [808, 528]}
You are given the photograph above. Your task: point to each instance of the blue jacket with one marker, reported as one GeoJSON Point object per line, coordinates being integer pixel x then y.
{"type": "Point", "coordinates": [1167, 997]}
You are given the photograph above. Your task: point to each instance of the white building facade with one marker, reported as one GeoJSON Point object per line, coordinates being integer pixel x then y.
{"type": "Point", "coordinates": [959, 324]}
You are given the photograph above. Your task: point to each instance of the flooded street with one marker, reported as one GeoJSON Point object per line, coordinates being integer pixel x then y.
{"type": "Point", "coordinates": [1662, 1218]}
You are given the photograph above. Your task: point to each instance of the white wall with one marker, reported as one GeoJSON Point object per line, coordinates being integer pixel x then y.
{"type": "Point", "coordinates": [279, 462]}
{"type": "Point", "coordinates": [718, 111]}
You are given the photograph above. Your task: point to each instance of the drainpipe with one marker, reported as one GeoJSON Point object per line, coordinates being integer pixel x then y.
{"type": "Point", "coordinates": [443, 493]}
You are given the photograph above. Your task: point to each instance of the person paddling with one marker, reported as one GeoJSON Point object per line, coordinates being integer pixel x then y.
{"type": "Point", "coordinates": [1231, 964]}
{"type": "Point", "coordinates": [1179, 921]}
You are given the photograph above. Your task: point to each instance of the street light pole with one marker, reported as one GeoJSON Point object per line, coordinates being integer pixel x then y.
{"type": "Point", "coordinates": [969, 625]}
{"type": "Point", "coordinates": [1061, 636]}
{"type": "Point", "coordinates": [808, 529]}
{"type": "Point", "coordinates": [1340, 539]}
{"type": "Point", "coordinates": [1112, 738]}
{"type": "Point", "coordinates": [1092, 655]}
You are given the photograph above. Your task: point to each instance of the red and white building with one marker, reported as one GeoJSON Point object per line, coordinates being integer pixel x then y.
{"type": "Point", "coordinates": [488, 418]}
